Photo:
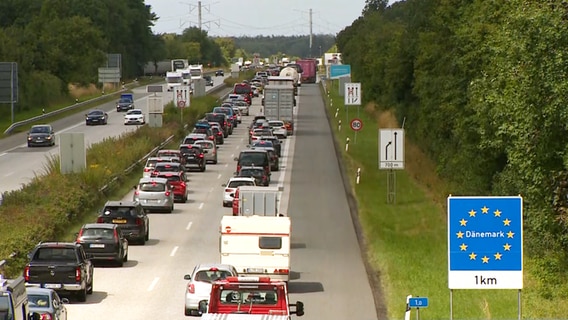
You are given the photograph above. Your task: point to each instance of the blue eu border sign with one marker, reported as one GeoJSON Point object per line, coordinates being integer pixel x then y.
{"type": "Point", "coordinates": [485, 242]}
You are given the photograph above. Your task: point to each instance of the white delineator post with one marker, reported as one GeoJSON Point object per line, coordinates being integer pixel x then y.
{"type": "Point", "coordinates": [347, 144]}
{"type": "Point", "coordinates": [407, 313]}
{"type": "Point", "coordinates": [358, 175]}
{"type": "Point", "coordinates": [339, 125]}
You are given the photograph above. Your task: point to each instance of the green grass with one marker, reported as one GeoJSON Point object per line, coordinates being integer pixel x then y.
{"type": "Point", "coordinates": [407, 241]}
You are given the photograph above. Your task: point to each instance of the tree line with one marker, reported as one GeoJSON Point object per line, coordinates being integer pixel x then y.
{"type": "Point", "coordinates": [58, 42]}
{"type": "Point", "coordinates": [482, 88]}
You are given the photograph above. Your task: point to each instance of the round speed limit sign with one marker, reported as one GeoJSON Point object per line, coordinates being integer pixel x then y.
{"type": "Point", "coordinates": [356, 124]}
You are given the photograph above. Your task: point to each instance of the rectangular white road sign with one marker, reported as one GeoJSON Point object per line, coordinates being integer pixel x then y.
{"type": "Point", "coordinates": [353, 93]}
{"type": "Point", "coordinates": [181, 96]}
{"type": "Point", "coordinates": [391, 149]}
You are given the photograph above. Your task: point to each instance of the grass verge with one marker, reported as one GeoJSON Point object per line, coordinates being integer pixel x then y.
{"type": "Point", "coordinates": [407, 241]}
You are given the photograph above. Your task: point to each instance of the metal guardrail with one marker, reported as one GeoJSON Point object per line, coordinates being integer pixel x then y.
{"type": "Point", "coordinates": [58, 111]}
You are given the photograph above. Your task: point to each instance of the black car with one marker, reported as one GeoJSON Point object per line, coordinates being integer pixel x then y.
{"type": "Point", "coordinates": [276, 144]}
{"type": "Point", "coordinates": [41, 135]}
{"type": "Point", "coordinates": [130, 217]}
{"type": "Point", "coordinates": [208, 81]}
{"type": "Point", "coordinates": [96, 117]}
{"type": "Point", "coordinates": [219, 73]}
{"type": "Point", "coordinates": [104, 242]}
{"type": "Point", "coordinates": [228, 110]}
{"type": "Point", "coordinates": [194, 157]}
{"type": "Point", "coordinates": [222, 119]}
{"type": "Point", "coordinates": [258, 173]}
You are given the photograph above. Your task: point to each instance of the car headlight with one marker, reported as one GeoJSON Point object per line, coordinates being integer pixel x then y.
{"type": "Point", "coordinates": [29, 138]}
{"type": "Point", "coordinates": [48, 138]}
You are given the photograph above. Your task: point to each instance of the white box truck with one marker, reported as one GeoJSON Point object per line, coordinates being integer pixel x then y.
{"type": "Point", "coordinates": [260, 201]}
{"type": "Point", "coordinates": [279, 102]}
{"type": "Point", "coordinates": [256, 245]}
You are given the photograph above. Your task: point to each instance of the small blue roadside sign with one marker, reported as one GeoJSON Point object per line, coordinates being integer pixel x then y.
{"type": "Point", "coordinates": [485, 242]}
{"type": "Point", "coordinates": [418, 302]}
{"type": "Point", "coordinates": [337, 71]}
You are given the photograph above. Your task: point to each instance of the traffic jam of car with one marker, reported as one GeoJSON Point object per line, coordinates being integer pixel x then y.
{"type": "Point", "coordinates": [256, 280]}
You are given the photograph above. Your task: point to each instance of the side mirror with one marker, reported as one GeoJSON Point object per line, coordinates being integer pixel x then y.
{"type": "Point", "coordinates": [232, 195]}
{"type": "Point", "coordinates": [248, 145]}
{"type": "Point", "coordinates": [34, 316]}
{"type": "Point", "coordinates": [299, 308]}
{"type": "Point", "coordinates": [134, 187]}
{"type": "Point", "coordinates": [205, 151]}
{"type": "Point", "coordinates": [236, 159]}
{"type": "Point", "coordinates": [65, 300]}
{"type": "Point", "coordinates": [187, 277]}
{"type": "Point", "coordinates": [202, 306]}
{"type": "Point", "coordinates": [224, 185]}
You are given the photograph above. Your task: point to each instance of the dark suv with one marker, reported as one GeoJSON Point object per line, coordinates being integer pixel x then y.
{"type": "Point", "coordinates": [222, 119]}
{"type": "Point", "coordinates": [256, 158]}
{"type": "Point", "coordinates": [130, 217]}
{"type": "Point", "coordinates": [104, 242]}
{"type": "Point", "coordinates": [228, 110]}
{"type": "Point", "coordinates": [194, 157]}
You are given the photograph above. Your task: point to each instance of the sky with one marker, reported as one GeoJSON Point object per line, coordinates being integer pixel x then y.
{"type": "Point", "coordinates": [256, 17]}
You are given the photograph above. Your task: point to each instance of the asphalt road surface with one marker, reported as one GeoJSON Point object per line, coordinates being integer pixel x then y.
{"type": "Point", "coordinates": [19, 164]}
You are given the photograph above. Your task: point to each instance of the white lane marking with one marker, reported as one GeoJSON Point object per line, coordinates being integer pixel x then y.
{"type": "Point", "coordinates": [174, 250]}
{"type": "Point", "coordinates": [236, 147]}
{"type": "Point", "coordinates": [201, 205]}
{"type": "Point", "coordinates": [9, 174]}
{"type": "Point", "coordinates": [232, 155]}
{"type": "Point", "coordinates": [211, 190]}
{"type": "Point", "coordinates": [226, 165]}
{"type": "Point", "coordinates": [242, 139]}
{"type": "Point", "coordinates": [153, 284]}
{"type": "Point", "coordinates": [219, 176]}
{"type": "Point", "coordinates": [3, 154]}
{"type": "Point", "coordinates": [188, 225]}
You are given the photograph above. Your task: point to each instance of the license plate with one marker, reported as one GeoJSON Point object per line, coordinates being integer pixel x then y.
{"type": "Point", "coordinates": [255, 270]}
{"type": "Point", "coordinates": [97, 245]}
{"type": "Point", "coordinates": [118, 220]}
{"type": "Point", "coordinates": [52, 286]}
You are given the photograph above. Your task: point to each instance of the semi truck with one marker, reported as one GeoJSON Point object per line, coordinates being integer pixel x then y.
{"type": "Point", "coordinates": [292, 73]}
{"type": "Point", "coordinates": [196, 71]}
{"type": "Point", "coordinates": [249, 298]}
{"type": "Point", "coordinates": [256, 245]}
{"type": "Point", "coordinates": [309, 70]}
{"type": "Point", "coordinates": [279, 102]}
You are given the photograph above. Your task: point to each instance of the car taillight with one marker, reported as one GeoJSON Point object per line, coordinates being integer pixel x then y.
{"type": "Point", "coordinates": [190, 288]}
{"type": "Point", "coordinates": [78, 274]}
{"type": "Point", "coordinates": [219, 133]}
{"type": "Point", "coordinates": [136, 192]}
{"type": "Point", "coordinates": [100, 220]}
{"type": "Point", "coordinates": [238, 168]}
{"type": "Point", "coordinates": [27, 273]}
{"type": "Point", "coordinates": [138, 221]}
{"type": "Point", "coordinates": [80, 234]}
{"type": "Point", "coordinates": [146, 169]}
{"type": "Point", "coordinates": [201, 155]}
{"type": "Point", "coordinates": [281, 271]}
{"type": "Point", "coordinates": [211, 137]}
{"type": "Point", "coordinates": [45, 316]}
{"type": "Point", "coordinates": [182, 184]}
{"type": "Point", "coordinates": [229, 190]}
{"type": "Point", "coordinates": [115, 236]}
{"type": "Point", "coordinates": [167, 193]}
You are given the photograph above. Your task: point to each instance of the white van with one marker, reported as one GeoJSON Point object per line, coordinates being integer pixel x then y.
{"type": "Point", "coordinates": [256, 245]}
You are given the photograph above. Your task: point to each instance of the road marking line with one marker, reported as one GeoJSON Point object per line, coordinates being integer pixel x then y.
{"type": "Point", "coordinates": [153, 284]}
{"type": "Point", "coordinates": [236, 147]}
{"type": "Point", "coordinates": [226, 165]}
{"type": "Point", "coordinates": [211, 190]}
{"type": "Point", "coordinates": [173, 253]}
{"type": "Point", "coordinates": [201, 205]}
{"type": "Point", "coordinates": [9, 174]}
{"type": "Point", "coordinates": [3, 154]}
{"type": "Point", "coordinates": [219, 176]}
{"type": "Point", "coordinates": [232, 155]}
{"type": "Point", "coordinates": [188, 225]}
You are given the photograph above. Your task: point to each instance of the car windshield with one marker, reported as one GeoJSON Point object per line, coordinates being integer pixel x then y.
{"type": "Point", "coordinates": [112, 211]}
{"type": "Point", "coordinates": [201, 130]}
{"type": "Point", "coordinates": [276, 123]}
{"type": "Point", "coordinates": [205, 145]}
{"type": "Point", "coordinates": [97, 233]}
{"type": "Point", "coordinates": [211, 275]}
{"type": "Point", "coordinates": [251, 173]}
{"type": "Point", "coordinates": [189, 150]}
{"type": "Point", "coordinates": [151, 163]}
{"type": "Point", "coordinates": [242, 89]}
{"type": "Point", "coordinates": [134, 111]}
{"type": "Point", "coordinates": [250, 158]}
{"type": "Point", "coordinates": [55, 253]}
{"type": "Point", "coordinates": [96, 113]}
{"type": "Point", "coordinates": [219, 118]}
{"type": "Point", "coordinates": [167, 167]}
{"type": "Point", "coordinates": [263, 144]}
{"type": "Point", "coordinates": [239, 183]}
{"type": "Point", "coordinates": [152, 187]}
{"type": "Point", "coordinates": [191, 140]}
{"type": "Point", "coordinates": [262, 132]}
{"type": "Point", "coordinates": [168, 154]}
{"type": "Point", "coordinates": [42, 129]}
{"type": "Point", "coordinates": [124, 100]}
{"type": "Point", "coordinates": [37, 300]}
{"type": "Point", "coordinates": [227, 111]}
{"type": "Point", "coordinates": [249, 296]}
{"type": "Point", "coordinates": [170, 177]}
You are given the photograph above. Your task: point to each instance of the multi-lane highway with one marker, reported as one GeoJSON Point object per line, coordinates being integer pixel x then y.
{"type": "Point", "coordinates": [327, 269]}
{"type": "Point", "coordinates": [19, 164]}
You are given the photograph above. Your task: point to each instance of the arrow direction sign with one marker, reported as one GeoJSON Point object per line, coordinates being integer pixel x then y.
{"type": "Point", "coordinates": [391, 149]}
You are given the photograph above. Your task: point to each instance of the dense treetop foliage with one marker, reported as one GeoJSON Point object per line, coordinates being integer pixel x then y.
{"type": "Point", "coordinates": [481, 86]}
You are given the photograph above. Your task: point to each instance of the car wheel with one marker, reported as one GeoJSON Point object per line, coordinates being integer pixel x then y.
{"type": "Point", "coordinates": [29, 145]}
{"type": "Point", "coordinates": [86, 123]}
{"type": "Point", "coordinates": [147, 236]}
{"type": "Point", "coordinates": [215, 161]}
{"type": "Point", "coordinates": [188, 312]}
{"type": "Point", "coordinates": [203, 169]}
{"type": "Point", "coordinates": [90, 289]}
{"type": "Point", "coordinates": [120, 262]}
{"type": "Point", "coordinates": [171, 209]}
{"type": "Point", "coordinates": [125, 259]}
{"type": "Point", "coordinates": [82, 295]}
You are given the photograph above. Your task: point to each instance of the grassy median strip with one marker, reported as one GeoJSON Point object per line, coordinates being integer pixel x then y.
{"type": "Point", "coordinates": [407, 240]}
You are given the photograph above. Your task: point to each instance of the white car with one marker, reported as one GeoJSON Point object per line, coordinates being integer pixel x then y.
{"type": "Point", "coordinates": [200, 283]}
{"type": "Point", "coordinates": [134, 116]}
{"type": "Point", "coordinates": [279, 128]}
{"type": "Point", "coordinates": [231, 187]}
{"type": "Point", "coordinates": [237, 111]}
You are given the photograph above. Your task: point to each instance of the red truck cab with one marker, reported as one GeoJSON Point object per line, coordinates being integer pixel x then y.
{"type": "Point", "coordinates": [249, 295]}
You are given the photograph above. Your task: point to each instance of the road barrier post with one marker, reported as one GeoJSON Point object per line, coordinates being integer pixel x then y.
{"type": "Point", "coordinates": [347, 144]}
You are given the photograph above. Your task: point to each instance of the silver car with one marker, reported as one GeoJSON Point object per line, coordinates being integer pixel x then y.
{"type": "Point", "coordinates": [209, 149]}
{"type": "Point", "coordinates": [47, 303]}
{"type": "Point", "coordinates": [155, 194]}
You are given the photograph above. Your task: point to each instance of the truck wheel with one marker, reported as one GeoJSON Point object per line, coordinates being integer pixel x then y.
{"type": "Point", "coordinates": [188, 312]}
{"type": "Point", "coordinates": [82, 295]}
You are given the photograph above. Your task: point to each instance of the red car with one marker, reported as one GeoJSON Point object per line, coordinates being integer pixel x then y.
{"type": "Point", "coordinates": [179, 183]}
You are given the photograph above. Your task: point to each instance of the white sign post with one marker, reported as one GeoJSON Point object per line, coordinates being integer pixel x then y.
{"type": "Point", "coordinates": [181, 98]}
{"type": "Point", "coordinates": [391, 157]}
{"type": "Point", "coordinates": [352, 98]}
